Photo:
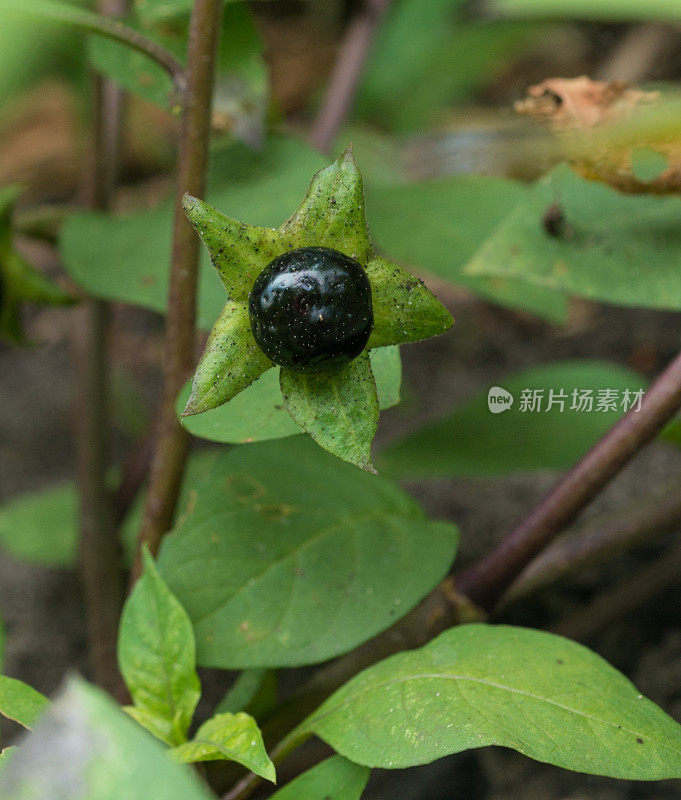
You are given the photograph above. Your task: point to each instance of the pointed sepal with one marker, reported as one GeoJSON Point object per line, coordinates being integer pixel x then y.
{"type": "Point", "coordinates": [230, 362]}
{"type": "Point", "coordinates": [405, 310]}
{"type": "Point", "coordinates": [339, 410]}
{"type": "Point", "coordinates": [238, 251]}
{"type": "Point", "coordinates": [332, 213]}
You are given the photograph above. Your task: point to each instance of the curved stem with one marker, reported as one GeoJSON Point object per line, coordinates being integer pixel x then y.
{"type": "Point", "coordinates": [91, 22]}
{"type": "Point", "coordinates": [485, 582]}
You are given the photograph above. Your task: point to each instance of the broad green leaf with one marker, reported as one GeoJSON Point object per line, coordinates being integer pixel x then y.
{"type": "Point", "coordinates": [86, 747]}
{"type": "Point", "coordinates": [157, 657]}
{"type": "Point", "coordinates": [618, 248]}
{"type": "Point", "coordinates": [449, 219]}
{"type": "Point", "coordinates": [126, 259]}
{"type": "Point", "coordinates": [258, 413]}
{"type": "Point", "coordinates": [472, 441]}
{"type": "Point", "coordinates": [231, 737]}
{"type": "Point", "coordinates": [479, 685]}
{"type": "Point", "coordinates": [333, 779]}
{"type": "Point", "coordinates": [404, 309]}
{"type": "Point", "coordinates": [442, 60]}
{"type": "Point", "coordinates": [272, 577]}
{"type": "Point", "coordinates": [332, 213]}
{"type": "Point", "coordinates": [602, 10]}
{"type": "Point", "coordinates": [41, 527]}
{"type": "Point", "coordinates": [230, 363]}
{"type": "Point", "coordinates": [20, 702]}
{"type": "Point", "coordinates": [339, 410]}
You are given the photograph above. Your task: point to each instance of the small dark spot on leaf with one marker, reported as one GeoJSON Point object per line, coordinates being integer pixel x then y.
{"type": "Point", "coordinates": [554, 221]}
{"type": "Point", "coordinates": [639, 740]}
{"type": "Point", "coordinates": [147, 280]}
{"type": "Point", "coordinates": [560, 661]}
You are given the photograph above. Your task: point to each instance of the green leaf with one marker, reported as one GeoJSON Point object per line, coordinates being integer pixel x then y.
{"type": "Point", "coordinates": [41, 527]}
{"type": "Point", "coordinates": [20, 702]}
{"type": "Point", "coordinates": [480, 685]}
{"type": "Point", "coordinates": [443, 60]}
{"type": "Point", "coordinates": [126, 259]}
{"type": "Point", "coordinates": [85, 746]}
{"type": "Point", "coordinates": [618, 248]}
{"type": "Point", "coordinates": [449, 219]}
{"type": "Point", "coordinates": [244, 690]}
{"type": "Point", "coordinates": [333, 779]}
{"type": "Point", "coordinates": [473, 442]}
{"type": "Point", "coordinates": [339, 410]}
{"type": "Point", "coordinates": [647, 164]}
{"type": "Point", "coordinates": [332, 213]}
{"type": "Point", "coordinates": [156, 654]}
{"type": "Point", "coordinates": [271, 577]}
{"type": "Point", "coordinates": [404, 309]}
{"type": "Point", "coordinates": [132, 70]}
{"type": "Point", "coordinates": [258, 413]}
{"type": "Point", "coordinates": [19, 281]}
{"type": "Point", "coordinates": [231, 361]}
{"type": "Point", "coordinates": [5, 755]}
{"type": "Point", "coordinates": [231, 737]}
{"type": "Point", "coordinates": [601, 10]}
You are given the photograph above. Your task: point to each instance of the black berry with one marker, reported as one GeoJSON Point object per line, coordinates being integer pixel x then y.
{"type": "Point", "coordinates": [310, 310]}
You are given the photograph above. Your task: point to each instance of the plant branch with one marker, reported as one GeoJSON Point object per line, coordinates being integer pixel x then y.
{"type": "Point", "coordinates": [485, 582]}
{"type": "Point", "coordinates": [601, 538]}
{"type": "Point", "coordinates": [346, 73]}
{"type": "Point", "coordinates": [99, 551]}
{"type": "Point", "coordinates": [172, 443]}
{"type": "Point", "coordinates": [442, 609]}
{"type": "Point", "coordinates": [627, 595]}
{"type": "Point", "coordinates": [99, 24]}
{"type": "Point", "coordinates": [250, 782]}
{"type": "Point", "coordinates": [454, 601]}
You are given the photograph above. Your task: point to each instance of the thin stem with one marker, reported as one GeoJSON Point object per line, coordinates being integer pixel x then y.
{"type": "Point", "coordinates": [91, 22]}
{"type": "Point", "coordinates": [601, 538]}
{"type": "Point", "coordinates": [99, 555]}
{"type": "Point", "coordinates": [250, 782]}
{"type": "Point", "coordinates": [443, 608]}
{"type": "Point", "coordinates": [627, 595]}
{"type": "Point", "coordinates": [172, 442]}
{"type": "Point", "coordinates": [346, 73]}
{"type": "Point", "coordinates": [486, 581]}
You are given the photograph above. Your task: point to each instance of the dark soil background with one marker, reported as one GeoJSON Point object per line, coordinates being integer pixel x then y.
{"type": "Point", "coordinates": [42, 608]}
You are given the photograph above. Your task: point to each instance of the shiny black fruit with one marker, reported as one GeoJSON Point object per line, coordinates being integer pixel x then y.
{"type": "Point", "coordinates": [310, 310]}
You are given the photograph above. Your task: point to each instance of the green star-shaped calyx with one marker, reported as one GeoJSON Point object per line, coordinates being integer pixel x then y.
{"type": "Point", "coordinates": [19, 281]}
{"type": "Point", "coordinates": [338, 409]}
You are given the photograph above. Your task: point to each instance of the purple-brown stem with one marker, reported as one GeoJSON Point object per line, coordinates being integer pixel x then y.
{"type": "Point", "coordinates": [346, 73]}
{"type": "Point", "coordinates": [485, 582]}
{"type": "Point", "coordinates": [172, 442]}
